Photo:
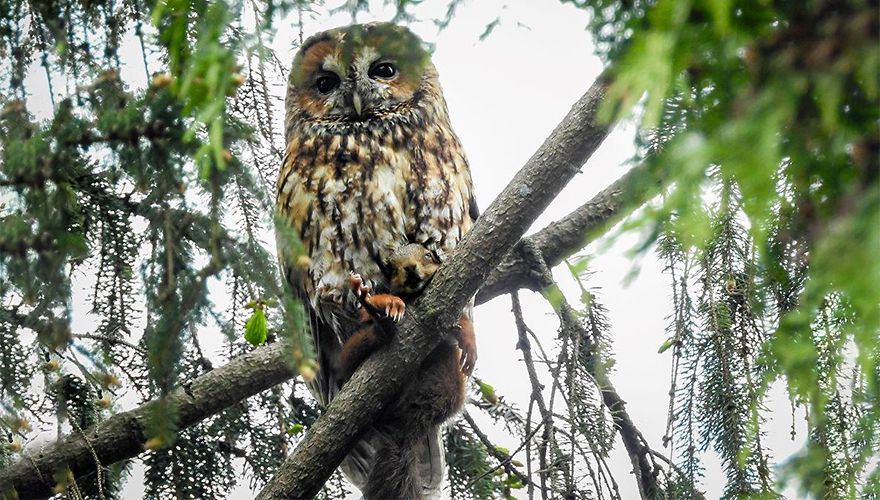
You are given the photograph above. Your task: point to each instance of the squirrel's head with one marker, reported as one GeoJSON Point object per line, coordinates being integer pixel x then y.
{"type": "Point", "coordinates": [412, 267]}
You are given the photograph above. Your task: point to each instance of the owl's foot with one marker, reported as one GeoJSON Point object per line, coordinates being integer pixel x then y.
{"type": "Point", "coordinates": [391, 305]}
{"type": "Point", "coordinates": [356, 282]}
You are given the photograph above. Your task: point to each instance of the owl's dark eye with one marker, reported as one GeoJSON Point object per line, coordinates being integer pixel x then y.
{"type": "Point", "coordinates": [384, 70]}
{"type": "Point", "coordinates": [327, 82]}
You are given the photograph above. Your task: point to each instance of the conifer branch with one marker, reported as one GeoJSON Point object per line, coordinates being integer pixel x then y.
{"type": "Point", "coordinates": [504, 460]}
{"type": "Point", "coordinates": [547, 437]}
{"type": "Point", "coordinates": [122, 435]}
{"type": "Point", "coordinates": [640, 453]}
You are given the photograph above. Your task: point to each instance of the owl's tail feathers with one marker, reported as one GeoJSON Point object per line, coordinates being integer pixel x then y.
{"type": "Point", "coordinates": [385, 465]}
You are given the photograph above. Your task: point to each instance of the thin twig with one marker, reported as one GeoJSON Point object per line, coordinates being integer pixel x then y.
{"type": "Point", "coordinates": [110, 340]}
{"type": "Point", "coordinates": [546, 418]}
{"type": "Point", "coordinates": [503, 459]}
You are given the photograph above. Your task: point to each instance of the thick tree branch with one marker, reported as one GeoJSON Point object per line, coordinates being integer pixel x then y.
{"type": "Point", "coordinates": [122, 435]}
{"type": "Point", "coordinates": [436, 312]}
{"type": "Point", "coordinates": [573, 232]}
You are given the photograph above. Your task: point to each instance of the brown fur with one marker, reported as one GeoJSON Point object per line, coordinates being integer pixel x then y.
{"type": "Point", "coordinates": [433, 397]}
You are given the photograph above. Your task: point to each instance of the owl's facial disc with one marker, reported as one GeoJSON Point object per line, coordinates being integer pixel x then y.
{"type": "Point", "coordinates": [359, 72]}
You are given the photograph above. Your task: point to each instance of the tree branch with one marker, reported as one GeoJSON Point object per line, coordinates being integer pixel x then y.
{"type": "Point", "coordinates": [537, 395]}
{"type": "Point", "coordinates": [122, 435]}
{"type": "Point", "coordinates": [640, 454]}
{"type": "Point", "coordinates": [435, 313]}
{"type": "Point", "coordinates": [572, 233]}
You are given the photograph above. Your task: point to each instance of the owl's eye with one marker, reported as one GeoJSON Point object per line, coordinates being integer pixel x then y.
{"type": "Point", "coordinates": [327, 82]}
{"type": "Point", "coordinates": [384, 70]}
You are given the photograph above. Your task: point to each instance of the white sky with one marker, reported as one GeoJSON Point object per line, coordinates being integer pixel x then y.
{"type": "Point", "coordinates": [505, 95]}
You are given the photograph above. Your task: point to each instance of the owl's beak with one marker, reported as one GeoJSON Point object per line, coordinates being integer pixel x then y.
{"type": "Point", "coordinates": [356, 102]}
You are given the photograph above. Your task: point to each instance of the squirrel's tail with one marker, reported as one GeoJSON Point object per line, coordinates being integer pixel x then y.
{"type": "Point", "coordinates": [370, 449]}
{"type": "Point", "coordinates": [395, 475]}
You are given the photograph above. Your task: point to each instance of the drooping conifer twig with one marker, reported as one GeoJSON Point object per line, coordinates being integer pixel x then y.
{"type": "Point", "coordinates": [504, 460]}
{"type": "Point", "coordinates": [646, 474]}
{"type": "Point", "coordinates": [537, 395]}
{"type": "Point", "coordinates": [640, 453]}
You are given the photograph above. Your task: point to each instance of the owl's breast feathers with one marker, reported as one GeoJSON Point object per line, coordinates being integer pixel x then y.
{"type": "Point", "coordinates": [355, 191]}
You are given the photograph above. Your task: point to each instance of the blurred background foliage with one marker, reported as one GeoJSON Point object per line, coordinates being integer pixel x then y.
{"type": "Point", "coordinates": [761, 118]}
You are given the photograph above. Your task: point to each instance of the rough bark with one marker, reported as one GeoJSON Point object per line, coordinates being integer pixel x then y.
{"type": "Point", "coordinates": [436, 311]}
{"type": "Point", "coordinates": [573, 232]}
{"type": "Point", "coordinates": [122, 435]}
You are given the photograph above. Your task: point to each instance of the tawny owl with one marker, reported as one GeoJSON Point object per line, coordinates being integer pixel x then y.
{"type": "Point", "coordinates": [371, 165]}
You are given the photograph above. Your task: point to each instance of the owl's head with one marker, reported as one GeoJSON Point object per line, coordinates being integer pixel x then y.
{"type": "Point", "coordinates": [358, 72]}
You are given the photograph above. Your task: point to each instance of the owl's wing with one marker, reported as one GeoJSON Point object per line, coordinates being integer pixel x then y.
{"type": "Point", "coordinates": [473, 209]}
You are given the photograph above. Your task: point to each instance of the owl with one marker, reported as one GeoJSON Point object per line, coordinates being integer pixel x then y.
{"type": "Point", "coordinates": [371, 165]}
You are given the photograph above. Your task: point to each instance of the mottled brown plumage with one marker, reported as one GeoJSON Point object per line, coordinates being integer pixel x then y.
{"type": "Point", "coordinates": [371, 165]}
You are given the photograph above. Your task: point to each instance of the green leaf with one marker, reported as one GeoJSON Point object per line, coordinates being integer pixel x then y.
{"type": "Point", "coordinates": [666, 345]}
{"type": "Point", "coordinates": [513, 483]}
{"type": "Point", "coordinates": [256, 330]}
{"type": "Point", "coordinates": [487, 391]}
{"type": "Point", "coordinates": [295, 429]}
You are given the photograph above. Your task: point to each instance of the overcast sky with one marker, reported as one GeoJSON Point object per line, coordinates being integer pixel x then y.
{"type": "Point", "coordinates": [505, 95]}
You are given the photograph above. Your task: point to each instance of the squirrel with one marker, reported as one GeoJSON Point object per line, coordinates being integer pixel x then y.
{"type": "Point", "coordinates": [437, 392]}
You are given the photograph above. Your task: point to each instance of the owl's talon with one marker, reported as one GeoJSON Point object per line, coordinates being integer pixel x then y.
{"type": "Point", "coordinates": [355, 282]}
